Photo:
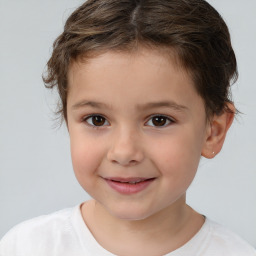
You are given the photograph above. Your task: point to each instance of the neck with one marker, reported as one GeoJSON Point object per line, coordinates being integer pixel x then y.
{"type": "Point", "coordinates": [166, 230]}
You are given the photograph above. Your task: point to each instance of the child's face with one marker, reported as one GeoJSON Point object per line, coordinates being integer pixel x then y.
{"type": "Point", "coordinates": [150, 127]}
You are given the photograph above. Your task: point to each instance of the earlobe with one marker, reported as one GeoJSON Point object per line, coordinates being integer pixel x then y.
{"type": "Point", "coordinates": [217, 131]}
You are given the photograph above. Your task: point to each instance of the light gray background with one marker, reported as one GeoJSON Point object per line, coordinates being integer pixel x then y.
{"type": "Point", "coordinates": [36, 174]}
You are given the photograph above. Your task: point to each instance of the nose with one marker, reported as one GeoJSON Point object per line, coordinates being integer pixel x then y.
{"type": "Point", "coordinates": [126, 148]}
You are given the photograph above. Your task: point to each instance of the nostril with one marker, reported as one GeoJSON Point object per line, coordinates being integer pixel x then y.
{"type": "Point", "coordinates": [125, 163]}
{"type": "Point", "coordinates": [125, 151]}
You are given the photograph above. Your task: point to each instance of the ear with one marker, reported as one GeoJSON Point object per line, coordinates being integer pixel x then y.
{"type": "Point", "coordinates": [216, 132]}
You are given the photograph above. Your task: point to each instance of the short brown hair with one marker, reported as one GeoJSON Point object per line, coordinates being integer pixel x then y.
{"type": "Point", "coordinates": [192, 28]}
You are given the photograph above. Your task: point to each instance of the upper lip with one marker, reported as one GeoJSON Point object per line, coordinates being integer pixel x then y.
{"type": "Point", "coordinates": [128, 179]}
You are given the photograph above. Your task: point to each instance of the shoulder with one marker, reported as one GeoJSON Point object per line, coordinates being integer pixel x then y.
{"type": "Point", "coordinates": [36, 232]}
{"type": "Point", "coordinates": [47, 222]}
{"type": "Point", "coordinates": [222, 241]}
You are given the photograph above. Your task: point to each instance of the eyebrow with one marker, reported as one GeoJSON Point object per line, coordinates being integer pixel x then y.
{"type": "Point", "coordinates": [150, 105]}
{"type": "Point", "coordinates": [93, 104]}
{"type": "Point", "coordinates": [168, 104]}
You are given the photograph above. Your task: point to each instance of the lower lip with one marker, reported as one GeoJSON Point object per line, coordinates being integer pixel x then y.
{"type": "Point", "coordinates": [127, 188]}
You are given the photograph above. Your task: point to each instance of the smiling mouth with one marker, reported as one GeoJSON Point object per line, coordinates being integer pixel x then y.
{"type": "Point", "coordinates": [129, 180]}
{"type": "Point", "coordinates": [129, 185]}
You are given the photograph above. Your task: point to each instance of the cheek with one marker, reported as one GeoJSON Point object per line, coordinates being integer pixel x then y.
{"type": "Point", "coordinates": [86, 156]}
{"type": "Point", "coordinates": [177, 157]}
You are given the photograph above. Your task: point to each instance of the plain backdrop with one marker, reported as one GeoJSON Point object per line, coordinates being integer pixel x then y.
{"type": "Point", "coordinates": [36, 175]}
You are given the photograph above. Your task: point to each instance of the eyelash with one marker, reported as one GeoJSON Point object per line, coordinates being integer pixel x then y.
{"type": "Point", "coordinates": [168, 119]}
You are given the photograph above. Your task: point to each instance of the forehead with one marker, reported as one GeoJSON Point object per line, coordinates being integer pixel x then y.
{"type": "Point", "coordinates": [144, 58]}
{"type": "Point", "coordinates": [128, 82]}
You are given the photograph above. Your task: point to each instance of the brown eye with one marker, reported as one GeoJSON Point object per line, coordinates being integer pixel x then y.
{"type": "Point", "coordinates": [159, 121]}
{"type": "Point", "coordinates": [96, 120]}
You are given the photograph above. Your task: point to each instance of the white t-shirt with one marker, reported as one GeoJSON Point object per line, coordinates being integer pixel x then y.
{"type": "Point", "coordinates": [64, 233]}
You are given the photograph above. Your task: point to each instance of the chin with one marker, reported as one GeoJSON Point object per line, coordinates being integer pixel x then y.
{"type": "Point", "coordinates": [130, 214]}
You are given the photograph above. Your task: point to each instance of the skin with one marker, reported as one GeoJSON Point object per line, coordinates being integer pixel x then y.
{"type": "Point", "coordinates": [129, 142]}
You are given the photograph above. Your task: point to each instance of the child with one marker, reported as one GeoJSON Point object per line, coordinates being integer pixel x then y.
{"type": "Point", "coordinates": [144, 87]}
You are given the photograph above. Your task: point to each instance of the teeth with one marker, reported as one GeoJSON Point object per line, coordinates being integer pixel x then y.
{"type": "Point", "coordinates": [130, 182]}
